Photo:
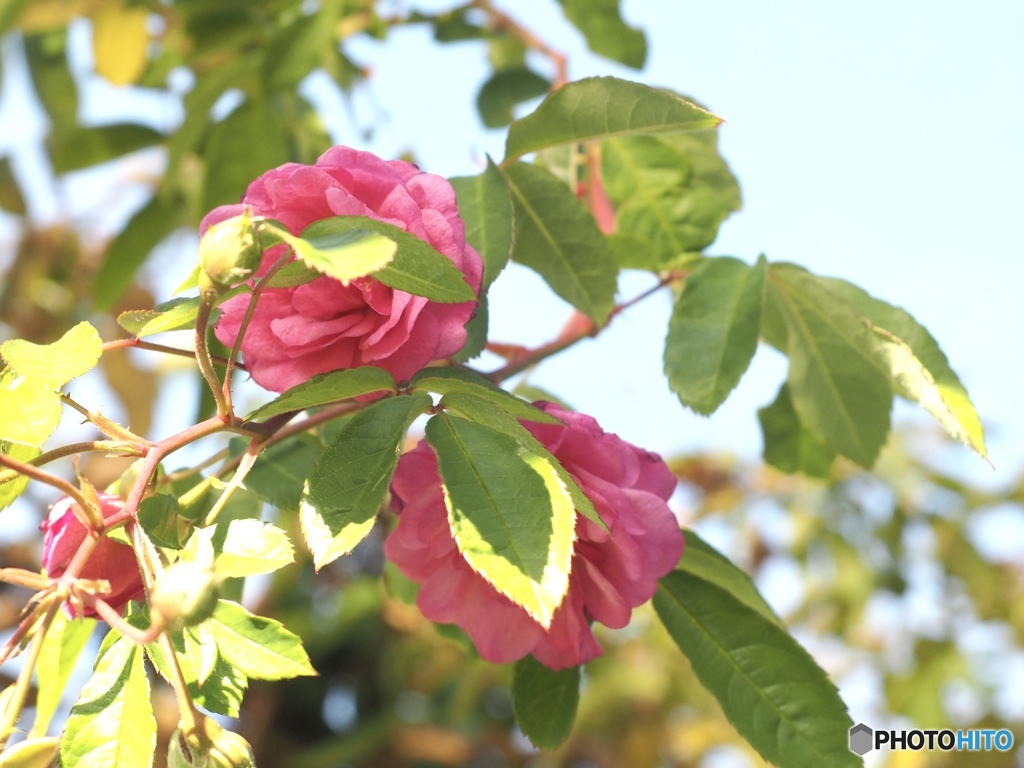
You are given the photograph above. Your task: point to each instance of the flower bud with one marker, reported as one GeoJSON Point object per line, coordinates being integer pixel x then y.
{"type": "Point", "coordinates": [184, 596]}
{"type": "Point", "coordinates": [228, 253]}
{"type": "Point", "coordinates": [209, 746]}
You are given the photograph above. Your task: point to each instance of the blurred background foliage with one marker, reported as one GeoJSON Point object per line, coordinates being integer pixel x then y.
{"type": "Point", "coordinates": [893, 580]}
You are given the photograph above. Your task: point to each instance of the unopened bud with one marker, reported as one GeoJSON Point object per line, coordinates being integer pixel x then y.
{"type": "Point", "coordinates": [185, 595]}
{"type": "Point", "coordinates": [210, 746]}
{"type": "Point", "coordinates": [229, 253]}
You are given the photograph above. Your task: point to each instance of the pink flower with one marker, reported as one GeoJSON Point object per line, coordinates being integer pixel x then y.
{"type": "Point", "coordinates": [610, 575]}
{"type": "Point", "coordinates": [111, 560]}
{"type": "Point", "coordinates": [296, 333]}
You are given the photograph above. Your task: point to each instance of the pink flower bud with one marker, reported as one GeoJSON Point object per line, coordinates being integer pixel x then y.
{"type": "Point", "coordinates": [320, 326]}
{"type": "Point", "coordinates": [610, 575]}
{"type": "Point", "coordinates": [110, 560]}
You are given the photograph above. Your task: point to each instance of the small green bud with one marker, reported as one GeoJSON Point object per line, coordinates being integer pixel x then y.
{"type": "Point", "coordinates": [209, 746]}
{"type": "Point", "coordinates": [185, 595]}
{"type": "Point", "coordinates": [229, 253]}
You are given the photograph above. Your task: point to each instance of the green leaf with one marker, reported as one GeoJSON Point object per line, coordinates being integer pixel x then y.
{"type": "Point", "coordinates": [12, 489]}
{"type": "Point", "coordinates": [84, 147]}
{"type": "Point", "coordinates": [443, 381]}
{"type": "Point", "coordinates": [417, 268]}
{"type": "Point", "coordinates": [510, 513]}
{"type": "Point", "coordinates": [545, 701]}
{"type": "Point", "coordinates": [671, 191]}
{"type": "Point", "coordinates": [158, 516]}
{"type": "Point", "coordinates": [240, 147]}
{"type": "Point", "coordinates": [350, 479]}
{"type": "Point", "coordinates": [713, 333]}
{"type": "Point", "coordinates": [558, 238]}
{"type": "Point", "coordinates": [243, 547]}
{"type": "Point", "coordinates": [706, 562]}
{"type": "Point", "coordinates": [260, 647]}
{"type": "Point", "coordinates": [603, 107]}
{"type": "Point", "coordinates": [280, 472]}
{"type": "Point", "coordinates": [485, 205]}
{"type": "Point", "coordinates": [148, 226]}
{"type": "Point", "coordinates": [63, 644]}
{"type": "Point", "coordinates": [490, 415]}
{"type": "Point", "coordinates": [297, 49]}
{"type": "Point", "coordinates": [31, 753]}
{"type": "Point", "coordinates": [607, 34]}
{"type": "Point", "coordinates": [769, 687]}
{"type": "Point", "coordinates": [344, 256]}
{"type": "Point", "coordinates": [29, 410]}
{"type": "Point", "coordinates": [73, 354]}
{"type": "Point", "coordinates": [506, 89]}
{"type": "Point", "coordinates": [327, 388]}
{"type": "Point", "coordinates": [839, 390]}
{"type": "Point", "coordinates": [919, 369]}
{"type": "Point", "coordinates": [112, 724]}
{"type": "Point", "coordinates": [788, 445]}
{"type": "Point", "coordinates": [11, 198]}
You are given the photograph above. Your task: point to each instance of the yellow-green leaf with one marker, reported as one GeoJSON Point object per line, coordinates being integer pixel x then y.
{"type": "Point", "coordinates": [74, 353]}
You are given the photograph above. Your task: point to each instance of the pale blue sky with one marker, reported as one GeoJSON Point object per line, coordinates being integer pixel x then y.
{"type": "Point", "coordinates": [876, 141]}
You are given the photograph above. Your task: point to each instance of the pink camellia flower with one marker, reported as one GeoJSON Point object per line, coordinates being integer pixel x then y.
{"type": "Point", "coordinates": [296, 333]}
{"type": "Point", "coordinates": [610, 575]}
{"type": "Point", "coordinates": [111, 560]}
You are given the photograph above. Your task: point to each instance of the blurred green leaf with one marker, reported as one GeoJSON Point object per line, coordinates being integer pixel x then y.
{"type": "Point", "coordinates": [506, 89]}
{"type": "Point", "coordinates": [558, 238]}
{"type": "Point", "coordinates": [545, 701]}
{"type": "Point", "coordinates": [712, 336]}
{"type": "Point", "coordinates": [48, 68]}
{"type": "Point", "coordinates": [259, 647]}
{"type": "Point", "coordinates": [245, 144]}
{"type": "Point", "coordinates": [73, 354]}
{"type": "Point", "coordinates": [838, 387]}
{"type": "Point", "coordinates": [112, 723]}
{"type": "Point", "coordinates": [603, 107]}
{"type": "Point", "coordinates": [769, 687]}
{"type": "Point", "coordinates": [788, 445]}
{"type": "Point", "coordinates": [128, 250]}
{"type": "Point", "coordinates": [607, 34]}
{"type": "Point", "coordinates": [510, 513]}
{"type": "Point", "coordinates": [417, 267]}
{"type": "Point", "coordinates": [85, 147]}
{"type": "Point", "coordinates": [327, 388]}
{"type": "Point", "coordinates": [351, 477]}
{"type": "Point", "coordinates": [31, 753]}
{"type": "Point", "coordinates": [11, 198]}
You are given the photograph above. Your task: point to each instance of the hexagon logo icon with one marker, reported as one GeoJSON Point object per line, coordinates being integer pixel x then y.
{"type": "Point", "coordinates": [861, 739]}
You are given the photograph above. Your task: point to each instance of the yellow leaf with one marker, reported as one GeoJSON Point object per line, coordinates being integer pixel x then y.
{"type": "Point", "coordinates": [119, 43]}
{"type": "Point", "coordinates": [43, 15]}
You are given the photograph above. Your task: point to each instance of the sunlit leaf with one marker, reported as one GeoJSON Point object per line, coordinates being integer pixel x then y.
{"type": "Point", "coordinates": [510, 513]}
{"type": "Point", "coordinates": [13, 488]}
{"type": "Point", "coordinates": [244, 547]}
{"type": "Point", "coordinates": [73, 354]}
{"type": "Point", "coordinates": [29, 410]}
{"type": "Point", "coordinates": [120, 40]}
{"type": "Point", "coordinates": [63, 644]}
{"type": "Point", "coordinates": [112, 724]}
{"type": "Point", "coordinates": [260, 647]}
{"type": "Point", "coordinates": [31, 753]}
{"type": "Point", "coordinates": [417, 267]}
{"type": "Point", "coordinates": [602, 107]}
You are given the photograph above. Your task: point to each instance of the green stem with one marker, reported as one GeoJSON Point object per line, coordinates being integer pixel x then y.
{"type": "Point", "coordinates": [24, 682]}
{"type": "Point", "coordinates": [207, 300]}
{"type": "Point", "coordinates": [120, 447]}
